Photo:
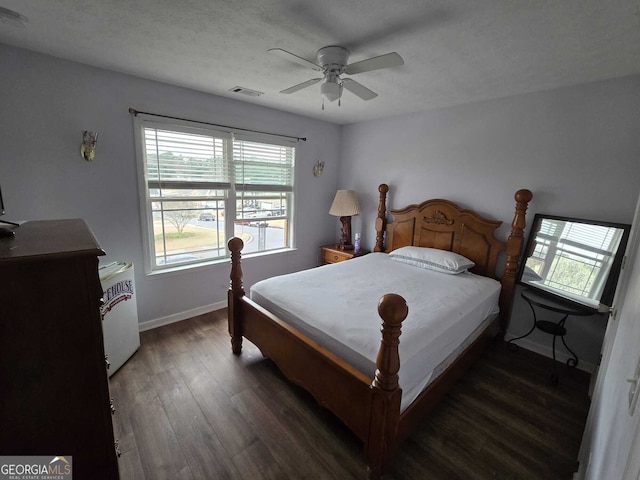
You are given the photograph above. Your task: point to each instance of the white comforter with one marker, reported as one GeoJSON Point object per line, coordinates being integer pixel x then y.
{"type": "Point", "coordinates": [336, 305]}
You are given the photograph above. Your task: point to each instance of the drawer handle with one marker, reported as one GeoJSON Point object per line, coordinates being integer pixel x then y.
{"type": "Point", "coordinates": [335, 257]}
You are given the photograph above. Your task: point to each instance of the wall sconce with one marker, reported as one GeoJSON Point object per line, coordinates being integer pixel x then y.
{"type": "Point", "coordinates": [88, 147]}
{"type": "Point", "coordinates": [318, 168]}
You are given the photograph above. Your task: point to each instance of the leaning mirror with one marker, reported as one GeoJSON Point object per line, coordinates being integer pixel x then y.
{"type": "Point", "coordinates": [575, 259]}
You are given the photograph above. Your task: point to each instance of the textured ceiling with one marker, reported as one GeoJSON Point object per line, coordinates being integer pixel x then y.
{"type": "Point", "coordinates": [455, 51]}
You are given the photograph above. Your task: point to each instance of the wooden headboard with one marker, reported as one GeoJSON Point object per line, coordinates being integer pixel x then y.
{"type": "Point", "coordinates": [442, 224]}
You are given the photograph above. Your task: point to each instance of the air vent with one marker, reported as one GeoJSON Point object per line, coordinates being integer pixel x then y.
{"type": "Point", "coordinates": [246, 91]}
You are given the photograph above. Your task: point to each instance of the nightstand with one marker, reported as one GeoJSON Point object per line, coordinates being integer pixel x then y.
{"type": "Point", "coordinates": [333, 254]}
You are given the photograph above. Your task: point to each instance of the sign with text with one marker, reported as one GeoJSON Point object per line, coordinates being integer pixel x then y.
{"type": "Point", "coordinates": [24, 467]}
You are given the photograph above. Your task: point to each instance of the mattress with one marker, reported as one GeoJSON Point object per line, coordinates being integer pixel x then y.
{"type": "Point", "coordinates": [336, 306]}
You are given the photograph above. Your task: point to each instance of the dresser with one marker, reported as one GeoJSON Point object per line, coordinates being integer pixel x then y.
{"type": "Point", "coordinates": [55, 391]}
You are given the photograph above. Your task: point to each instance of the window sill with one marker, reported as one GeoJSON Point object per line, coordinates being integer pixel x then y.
{"type": "Point", "coordinates": [182, 269]}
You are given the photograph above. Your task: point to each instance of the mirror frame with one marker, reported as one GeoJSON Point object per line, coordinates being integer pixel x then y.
{"type": "Point", "coordinates": [606, 298]}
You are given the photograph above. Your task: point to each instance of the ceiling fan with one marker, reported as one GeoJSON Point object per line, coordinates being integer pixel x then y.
{"type": "Point", "coordinates": [332, 62]}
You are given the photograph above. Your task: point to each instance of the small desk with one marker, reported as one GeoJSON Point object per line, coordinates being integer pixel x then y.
{"type": "Point", "coordinates": [555, 328]}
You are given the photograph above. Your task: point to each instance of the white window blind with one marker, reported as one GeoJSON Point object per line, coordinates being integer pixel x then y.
{"type": "Point", "coordinates": [263, 167]}
{"type": "Point", "coordinates": [596, 238]}
{"type": "Point", "coordinates": [176, 159]}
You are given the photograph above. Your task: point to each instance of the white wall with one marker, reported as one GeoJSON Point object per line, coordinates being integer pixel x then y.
{"type": "Point", "coordinates": [577, 149]}
{"type": "Point", "coordinates": [610, 427]}
{"type": "Point", "coordinates": [46, 103]}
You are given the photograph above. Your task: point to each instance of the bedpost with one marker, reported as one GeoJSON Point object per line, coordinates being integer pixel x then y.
{"type": "Point", "coordinates": [513, 250]}
{"type": "Point", "coordinates": [235, 293]}
{"type": "Point", "coordinates": [381, 221]}
{"type": "Point", "coordinates": [385, 391]}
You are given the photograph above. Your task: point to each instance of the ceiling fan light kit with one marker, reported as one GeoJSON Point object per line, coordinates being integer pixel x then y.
{"type": "Point", "coordinates": [331, 91]}
{"type": "Point", "coordinates": [332, 62]}
{"type": "Point", "coordinates": [332, 87]}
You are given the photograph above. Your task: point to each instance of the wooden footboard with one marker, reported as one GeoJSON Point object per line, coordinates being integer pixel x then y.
{"type": "Point", "coordinates": [371, 407]}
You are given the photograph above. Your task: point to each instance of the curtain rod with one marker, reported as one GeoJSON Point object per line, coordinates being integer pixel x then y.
{"type": "Point", "coordinates": [135, 112]}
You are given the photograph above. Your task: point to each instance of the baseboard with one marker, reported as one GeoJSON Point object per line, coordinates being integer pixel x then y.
{"type": "Point", "coordinates": [547, 352]}
{"type": "Point", "coordinates": [178, 317]}
{"type": "Point", "coordinates": [581, 473]}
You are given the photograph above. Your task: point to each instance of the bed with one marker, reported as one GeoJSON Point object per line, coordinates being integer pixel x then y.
{"type": "Point", "coordinates": [342, 356]}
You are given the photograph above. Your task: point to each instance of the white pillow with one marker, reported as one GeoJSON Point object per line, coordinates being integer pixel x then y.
{"type": "Point", "coordinates": [432, 259]}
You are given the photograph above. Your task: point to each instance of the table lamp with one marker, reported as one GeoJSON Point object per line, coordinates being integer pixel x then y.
{"type": "Point", "coordinates": [345, 204]}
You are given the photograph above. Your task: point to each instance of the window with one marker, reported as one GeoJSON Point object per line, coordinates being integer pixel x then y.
{"type": "Point", "coordinates": [200, 186]}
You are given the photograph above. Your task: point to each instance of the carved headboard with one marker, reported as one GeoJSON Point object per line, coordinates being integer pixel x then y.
{"type": "Point", "coordinates": [442, 224]}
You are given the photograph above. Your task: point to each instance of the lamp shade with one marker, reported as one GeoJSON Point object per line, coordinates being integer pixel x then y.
{"type": "Point", "coordinates": [345, 204]}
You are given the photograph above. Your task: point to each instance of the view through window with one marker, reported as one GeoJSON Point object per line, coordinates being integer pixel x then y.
{"type": "Point", "coordinates": [572, 257]}
{"type": "Point", "coordinates": [202, 186]}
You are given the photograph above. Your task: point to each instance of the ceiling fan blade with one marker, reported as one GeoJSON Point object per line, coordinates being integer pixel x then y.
{"type": "Point", "coordinates": [295, 58]}
{"type": "Point", "coordinates": [375, 63]}
{"type": "Point", "coordinates": [300, 86]}
{"type": "Point", "coordinates": [358, 89]}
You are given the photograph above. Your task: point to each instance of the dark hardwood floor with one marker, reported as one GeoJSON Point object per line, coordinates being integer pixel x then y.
{"type": "Point", "coordinates": [187, 408]}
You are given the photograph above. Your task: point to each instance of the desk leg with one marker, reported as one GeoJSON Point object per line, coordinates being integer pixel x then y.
{"type": "Point", "coordinates": [554, 375]}
{"type": "Point", "coordinates": [572, 362]}
{"type": "Point", "coordinates": [558, 330]}
{"type": "Point", "coordinates": [513, 346]}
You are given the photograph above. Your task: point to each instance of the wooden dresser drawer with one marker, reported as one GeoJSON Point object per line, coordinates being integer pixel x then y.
{"type": "Point", "coordinates": [332, 254]}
